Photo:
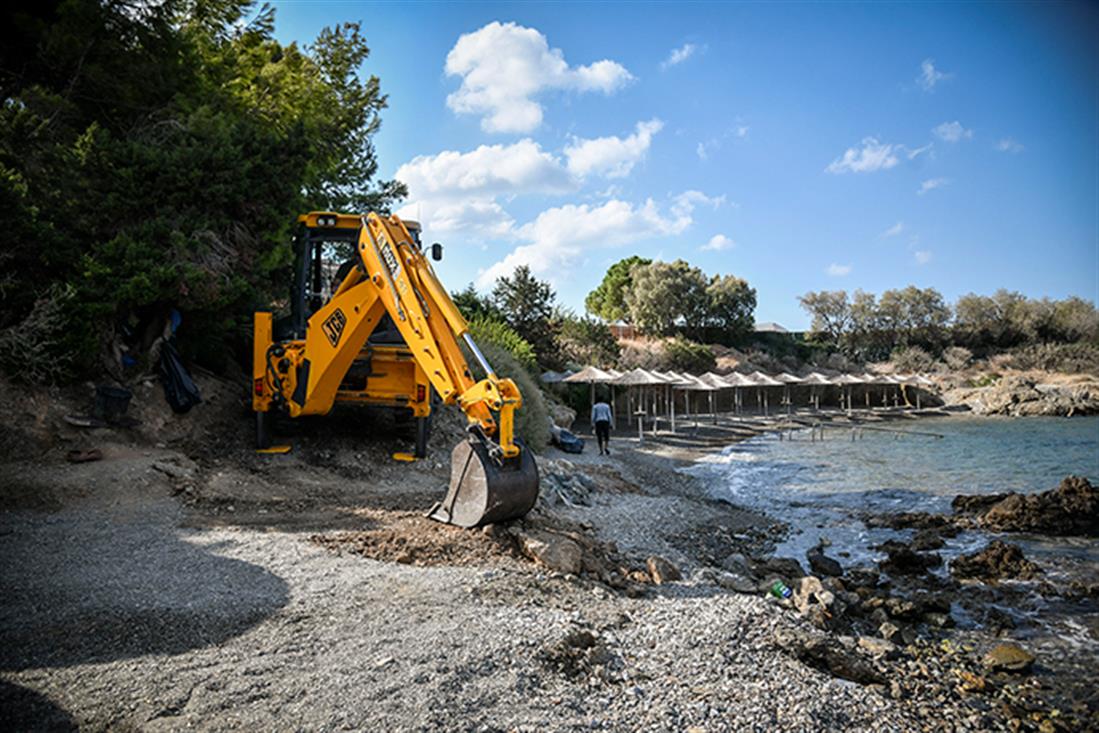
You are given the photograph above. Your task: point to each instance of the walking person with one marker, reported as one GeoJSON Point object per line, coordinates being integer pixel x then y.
{"type": "Point", "coordinates": [601, 417]}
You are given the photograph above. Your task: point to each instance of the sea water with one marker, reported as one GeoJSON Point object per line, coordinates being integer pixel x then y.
{"type": "Point", "coordinates": [824, 488]}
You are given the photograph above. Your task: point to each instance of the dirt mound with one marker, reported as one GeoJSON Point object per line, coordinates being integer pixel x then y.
{"type": "Point", "coordinates": [416, 540]}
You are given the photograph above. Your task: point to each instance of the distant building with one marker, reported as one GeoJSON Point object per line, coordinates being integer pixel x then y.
{"type": "Point", "coordinates": [622, 330]}
{"type": "Point", "coordinates": [770, 327]}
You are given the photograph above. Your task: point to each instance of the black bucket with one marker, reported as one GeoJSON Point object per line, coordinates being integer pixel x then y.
{"type": "Point", "coordinates": [111, 403]}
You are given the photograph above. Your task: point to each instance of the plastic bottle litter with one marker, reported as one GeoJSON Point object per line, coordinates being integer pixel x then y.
{"type": "Point", "coordinates": [781, 590]}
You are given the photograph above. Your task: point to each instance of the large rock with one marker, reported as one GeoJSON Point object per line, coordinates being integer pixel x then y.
{"type": "Point", "coordinates": [817, 603]}
{"type": "Point", "coordinates": [1009, 657]}
{"type": "Point", "coordinates": [903, 560]}
{"type": "Point", "coordinates": [821, 564]}
{"type": "Point", "coordinates": [661, 570]}
{"type": "Point", "coordinates": [826, 654]}
{"type": "Point", "coordinates": [562, 415]}
{"type": "Point", "coordinates": [786, 568]}
{"type": "Point", "coordinates": [1070, 509]}
{"type": "Point", "coordinates": [1022, 396]}
{"type": "Point", "coordinates": [878, 647]}
{"type": "Point", "coordinates": [997, 561]}
{"type": "Point", "coordinates": [552, 550]}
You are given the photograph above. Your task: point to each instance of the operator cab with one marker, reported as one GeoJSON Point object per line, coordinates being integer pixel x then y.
{"type": "Point", "coordinates": [324, 253]}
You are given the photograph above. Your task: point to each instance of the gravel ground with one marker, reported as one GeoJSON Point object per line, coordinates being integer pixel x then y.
{"type": "Point", "coordinates": [122, 611]}
{"type": "Point", "coordinates": [179, 583]}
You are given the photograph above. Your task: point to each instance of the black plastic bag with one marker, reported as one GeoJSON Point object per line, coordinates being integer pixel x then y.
{"type": "Point", "coordinates": [566, 441]}
{"type": "Point", "coordinates": [179, 388]}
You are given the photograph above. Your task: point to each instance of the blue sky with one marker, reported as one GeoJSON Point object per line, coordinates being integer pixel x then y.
{"type": "Point", "coordinates": [800, 146]}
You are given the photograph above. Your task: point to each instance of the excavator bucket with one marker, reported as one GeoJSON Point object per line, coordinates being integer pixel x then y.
{"type": "Point", "coordinates": [483, 491]}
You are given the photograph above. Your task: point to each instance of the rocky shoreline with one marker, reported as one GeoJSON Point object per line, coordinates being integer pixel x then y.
{"type": "Point", "coordinates": [1026, 395]}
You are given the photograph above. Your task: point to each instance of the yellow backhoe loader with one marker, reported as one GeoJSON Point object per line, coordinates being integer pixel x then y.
{"type": "Point", "coordinates": [380, 330]}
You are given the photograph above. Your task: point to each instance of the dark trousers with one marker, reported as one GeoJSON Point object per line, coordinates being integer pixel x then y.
{"type": "Point", "coordinates": [603, 433]}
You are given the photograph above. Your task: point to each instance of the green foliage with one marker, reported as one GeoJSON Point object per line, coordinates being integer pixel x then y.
{"type": "Point", "coordinates": [866, 327]}
{"type": "Point", "coordinates": [587, 341]}
{"type": "Point", "coordinates": [154, 159]}
{"type": "Point", "coordinates": [473, 305]}
{"type": "Point", "coordinates": [687, 356]}
{"type": "Point", "coordinates": [532, 419]}
{"type": "Point", "coordinates": [730, 308]}
{"type": "Point", "coordinates": [1070, 358]}
{"type": "Point", "coordinates": [527, 305]}
{"type": "Point", "coordinates": [488, 330]}
{"type": "Point", "coordinates": [1006, 319]}
{"type": "Point", "coordinates": [912, 359]}
{"type": "Point", "coordinates": [667, 297]}
{"type": "Point", "coordinates": [608, 300]}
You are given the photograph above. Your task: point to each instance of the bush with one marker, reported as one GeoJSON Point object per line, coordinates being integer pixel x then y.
{"type": "Point", "coordinates": [912, 359]}
{"type": "Point", "coordinates": [588, 341]}
{"type": "Point", "coordinates": [487, 330]}
{"type": "Point", "coordinates": [957, 358]}
{"type": "Point", "coordinates": [687, 356]}
{"type": "Point", "coordinates": [1069, 358]}
{"type": "Point", "coordinates": [532, 419]}
{"type": "Point", "coordinates": [31, 351]}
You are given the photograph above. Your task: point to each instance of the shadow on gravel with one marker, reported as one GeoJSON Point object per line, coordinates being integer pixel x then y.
{"type": "Point", "coordinates": [24, 709]}
{"type": "Point", "coordinates": [88, 586]}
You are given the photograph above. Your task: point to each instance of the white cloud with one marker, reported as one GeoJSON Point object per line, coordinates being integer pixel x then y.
{"type": "Point", "coordinates": [613, 157]}
{"type": "Point", "coordinates": [931, 184]}
{"type": "Point", "coordinates": [1009, 145]}
{"type": "Point", "coordinates": [837, 270]}
{"type": "Point", "coordinates": [701, 151]}
{"type": "Point", "coordinates": [952, 132]}
{"type": "Point", "coordinates": [914, 153]}
{"type": "Point", "coordinates": [923, 256]}
{"type": "Point", "coordinates": [872, 156]}
{"type": "Point", "coordinates": [894, 230]}
{"type": "Point", "coordinates": [930, 76]}
{"type": "Point", "coordinates": [521, 167]}
{"type": "Point", "coordinates": [560, 236]}
{"type": "Point", "coordinates": [717, 243]}
{"type": "Point", "coordinates": [504, 66]}
{"type": "Point", "coordinates": [741, 131]}
{"type": "Point", "coordinates": [679, 55]}
{"type": "Point", "coordinates": [454, 191]}
{"type": "Point", "coordinates": [685, 203]}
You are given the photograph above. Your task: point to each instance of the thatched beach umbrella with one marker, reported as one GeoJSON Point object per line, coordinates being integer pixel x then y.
{"type": "Point", "coordinates": [591, 376]}
{"type": "Point", "coordinates": [788, 379]}
{"type": "Point", "coordinates": [763, 381]}
{"type": "Point", "coordinates": [737, 381]}
{"type": "Point", "coordinates": [847, 381]}
{"type": "Point", "coordinates": [637, 378]}
{"type": "Point", "coordinates": [816, 380]}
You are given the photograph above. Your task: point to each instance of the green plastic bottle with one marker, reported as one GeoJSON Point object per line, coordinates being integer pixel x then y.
{"type": "Point", "coordinates": [781, 590]}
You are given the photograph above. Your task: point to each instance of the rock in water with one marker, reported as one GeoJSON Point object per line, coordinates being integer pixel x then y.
{"type": "Point", "coordinates": [903, 560]}
{"type": "Point", "coordinates": [821, 564]}
{"type": "Point", "coordinates": [1009, 657]}
{"type": "Point", "coordinates": [661, 570]}
{"type": "Point", "coordinates": [997, 561]}
{"type": "Point", "coordinates": [1070, 509]}
{"type": "Point", "coordinates": [554, 551]}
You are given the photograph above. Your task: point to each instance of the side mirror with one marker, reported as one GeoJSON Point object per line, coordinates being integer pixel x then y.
{"type": "Point", "coordinates": [436, 251]}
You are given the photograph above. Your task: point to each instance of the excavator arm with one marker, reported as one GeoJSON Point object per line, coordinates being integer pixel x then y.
{"type": "Point", "coordinates": [392, 275]}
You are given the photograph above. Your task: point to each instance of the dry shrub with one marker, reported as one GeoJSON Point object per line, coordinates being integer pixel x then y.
{"type": "Point", "coordinates": [31, 351]}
